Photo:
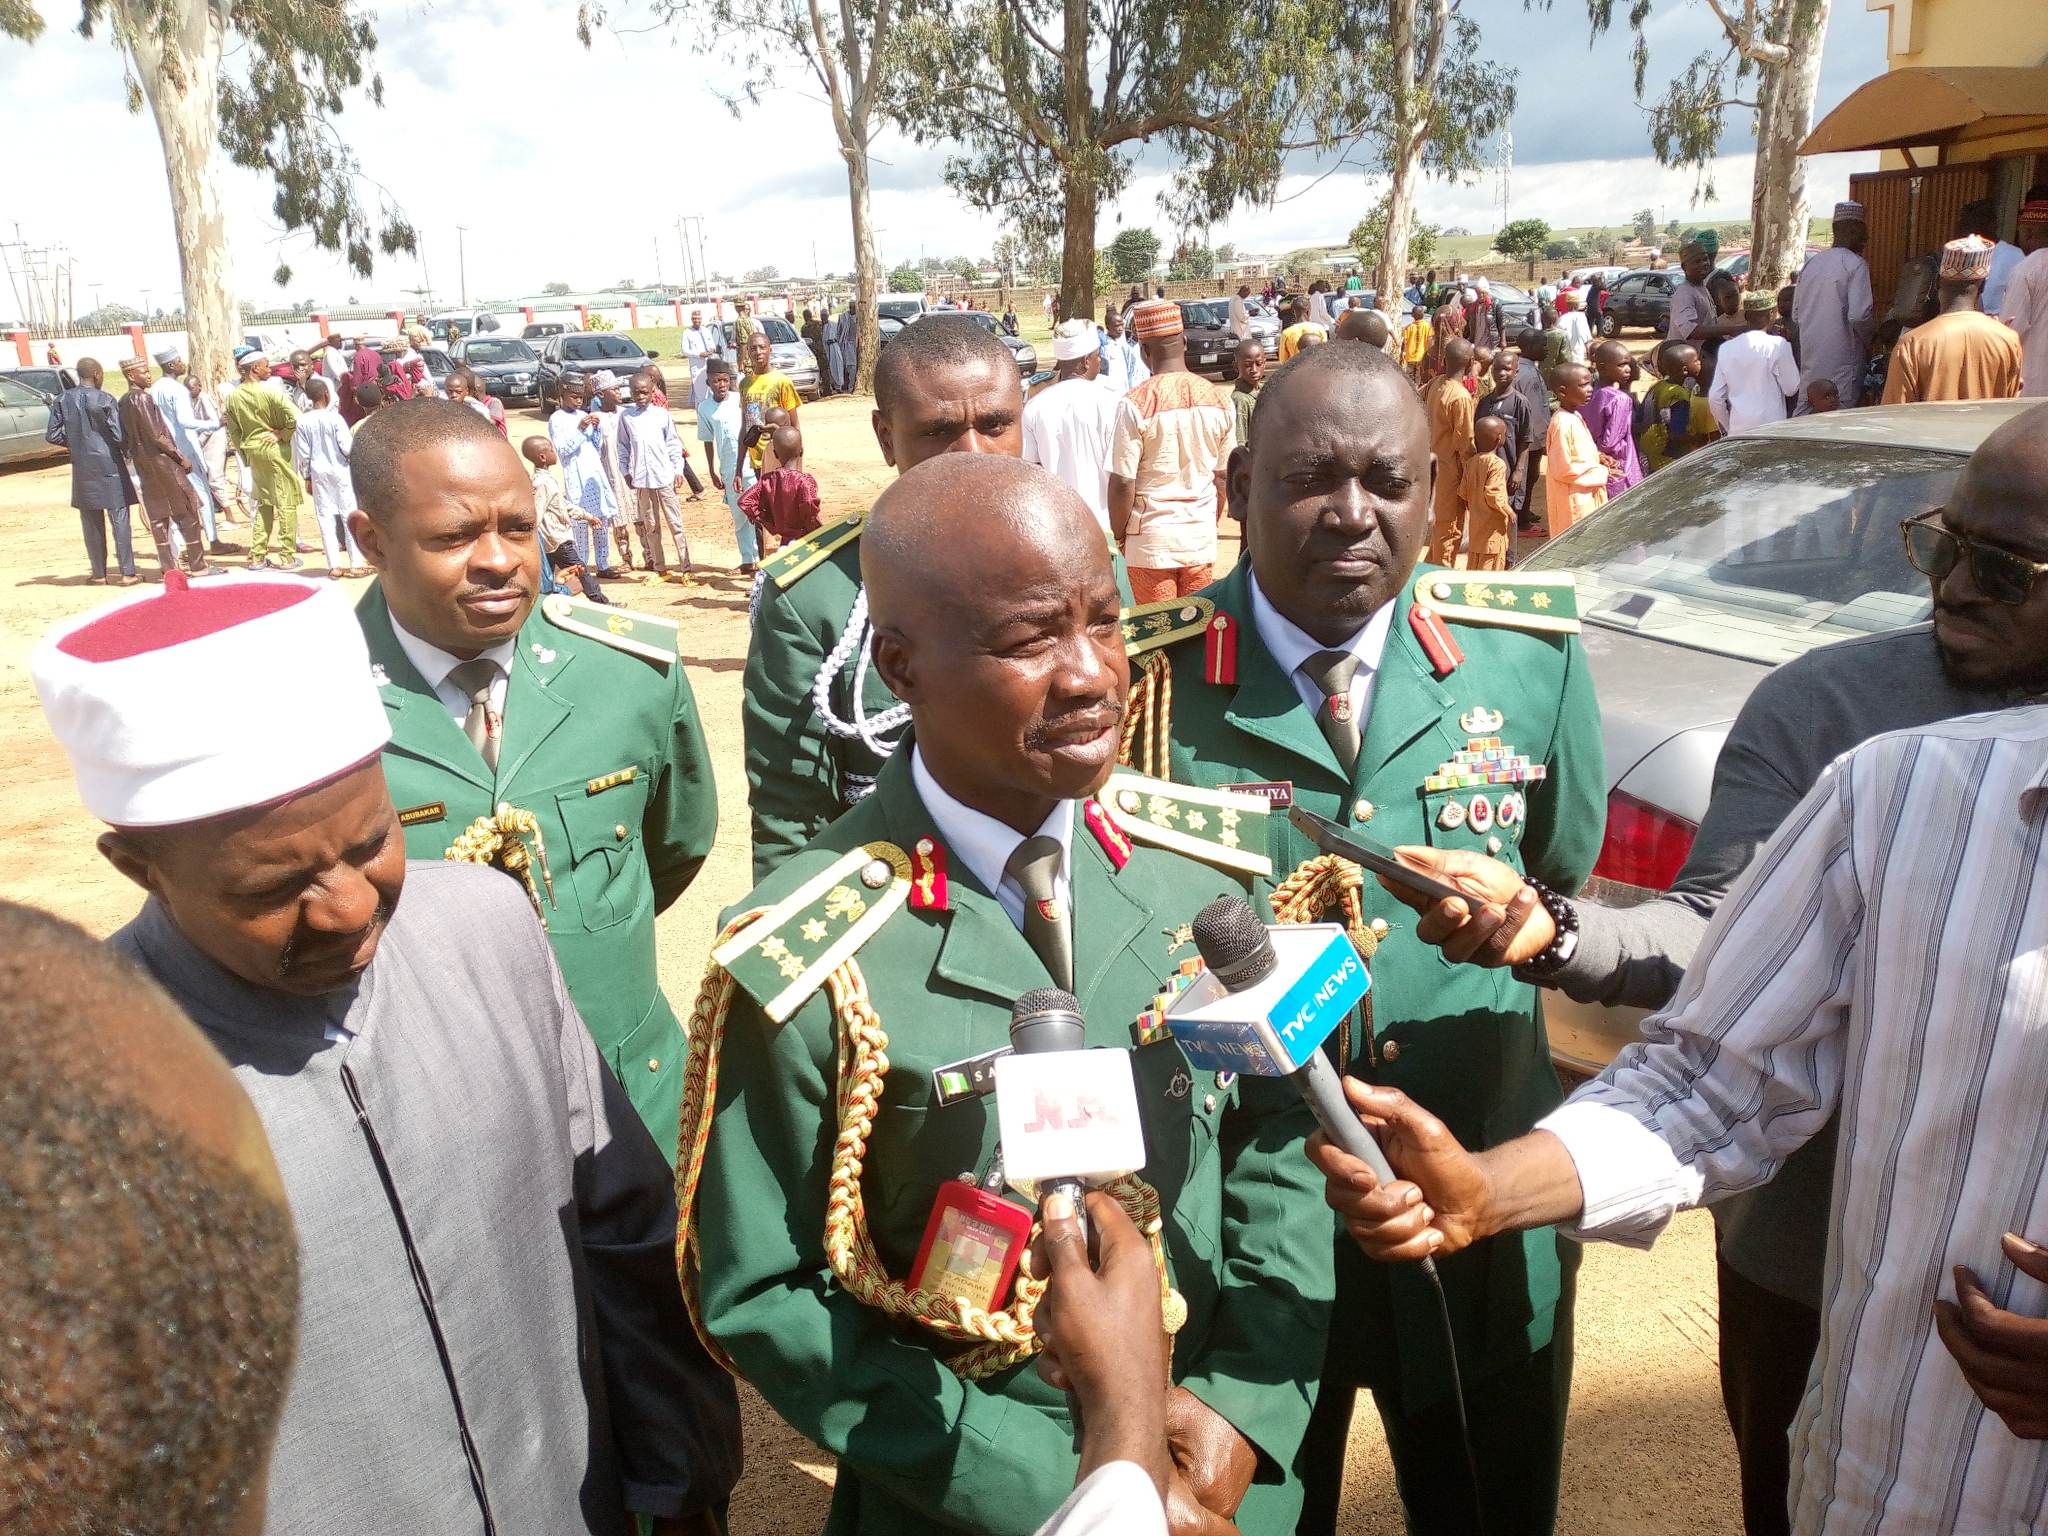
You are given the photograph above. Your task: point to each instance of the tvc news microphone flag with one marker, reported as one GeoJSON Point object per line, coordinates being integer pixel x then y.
{"type": "Point", "coordinates": [1272, 1027]}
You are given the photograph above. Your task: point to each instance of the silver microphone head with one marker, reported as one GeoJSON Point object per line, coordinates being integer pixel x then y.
{"type": "Point", "coordinates": [1047, 1019]}
{"type": "Point", "coordinates": [1234, 943]}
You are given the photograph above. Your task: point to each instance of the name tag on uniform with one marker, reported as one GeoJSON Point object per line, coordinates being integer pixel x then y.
{"type": "Point", "coordinates": [415, 815]}
{"type": "Point", "coordinates": [968, 1079]}
{"type": "Point", "coordinates": [1276, 792]}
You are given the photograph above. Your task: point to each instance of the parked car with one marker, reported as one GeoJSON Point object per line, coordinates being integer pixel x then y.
{"type": "Point", "coordinates": [1517, 308]}
{"type": "Point", "coordinates": [901, 307]}
{"type": "Point", "coordinates": [24, 417]}
{"type": "Point", "coordinates": [52, 381]}
{"type": "Point", "coordinates": [541, 330]}
{"type": "Point", "coordinates": [1022, 353]}
{"type": "Point", "coordinates": [439, 364]}
{"type": "Point", "coordinates": [1211, 349]}
{"type": "Point", "coordinates": [1641, 299]}
{"type": "Point", "coordinates": [787, 351]}
{"type": "Point", "coordinates": [1695, 583]}
{"type": "Point", "coordinates": [585, 353]}
{"type": "Point", "coordinates": [1265, 319]}
{"type": "Point", "coordinates": [1607, 275]}
{"type": "Point", "coordinates": [509, 368]}
{"type": "Point", "coordinates": [467, 323]}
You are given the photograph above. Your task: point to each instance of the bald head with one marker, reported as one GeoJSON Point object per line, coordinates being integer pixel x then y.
{"type": "Point", "coordinates": [1366, 325]}
{"type": "Point", "coordinates": [151, 1284]}
{"type": "Point", "coordinates": [1457, 356]}
{"type": "Point", "coordinates": [1017, 702]}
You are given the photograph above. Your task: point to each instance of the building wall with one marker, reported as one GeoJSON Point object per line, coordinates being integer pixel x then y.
{"type": "Point", "coordinates": [1930, 34]}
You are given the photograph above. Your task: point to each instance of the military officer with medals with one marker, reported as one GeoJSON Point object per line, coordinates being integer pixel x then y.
{"type": "Point", "coordinates": [818, 720]}
{"type": "Point", "coordinates": [861, 993]}
{"type": "Point", "coordinates": [1420, 706]}
{"type": "Point", "coordinates": [557, 739]}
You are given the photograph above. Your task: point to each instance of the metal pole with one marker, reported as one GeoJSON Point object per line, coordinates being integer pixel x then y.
{"type": "Point", "coordinates": [462, 263]}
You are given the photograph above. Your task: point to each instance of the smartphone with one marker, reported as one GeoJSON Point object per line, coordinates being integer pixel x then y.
{"type": "Point", "coordinates": [1377, 857]}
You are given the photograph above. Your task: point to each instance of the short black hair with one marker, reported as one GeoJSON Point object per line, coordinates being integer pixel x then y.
{"type": "Point", "coordinates": [935, 341]}
{"type": "Point", "coordinates": [1360, 361]}
{"type": "Point", "coordinates": [317, 386]}
{"type": "Point", "coordinates": [1978, 217]}
{"type": "Point", "coordinates": [149, 1296]}
{"type": "Point", "coordinates": [368, 397]}
{"type": "Point", "coordinates": [403, 427]}
{"type": "Point", "coordinates": [717, 365]}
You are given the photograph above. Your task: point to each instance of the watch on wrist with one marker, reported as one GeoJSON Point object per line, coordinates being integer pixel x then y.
{"type": "Point", "coordinates": [1553, 958]}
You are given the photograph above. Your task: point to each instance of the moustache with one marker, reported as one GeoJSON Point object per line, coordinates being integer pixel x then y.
{"type": "Point", "coordinates": [1103, 715]}
{"type": "Point", "coordinates": [292, 957]}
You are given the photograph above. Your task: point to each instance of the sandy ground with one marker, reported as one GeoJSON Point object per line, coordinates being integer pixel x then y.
{"type": "Point", "coordinates": [1648, 1448]}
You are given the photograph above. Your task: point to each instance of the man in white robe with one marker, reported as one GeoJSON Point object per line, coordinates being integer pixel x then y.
{"type": "Point", "coordinates": [1833, 313]}
{"type": "Point", "coordinates": [491, 1337]}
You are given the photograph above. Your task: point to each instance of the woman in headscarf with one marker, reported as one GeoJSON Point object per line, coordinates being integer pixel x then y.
{"type": "Point", "coordinates": [361, 371]}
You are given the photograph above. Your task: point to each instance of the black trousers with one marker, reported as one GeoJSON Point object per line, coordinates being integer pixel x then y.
{"type": "Point", "coordinates": [1767, 1348]}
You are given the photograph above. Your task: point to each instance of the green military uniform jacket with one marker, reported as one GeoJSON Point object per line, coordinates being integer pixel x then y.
{"type": "Point", "coordinates": [1246, 1230]}
{"type": "Point", "coordinates": [603, 746]}
{"type": "Point", "coordinates": [1466, 1042]}
{"type": "Point", "coordinates": [800, 774]}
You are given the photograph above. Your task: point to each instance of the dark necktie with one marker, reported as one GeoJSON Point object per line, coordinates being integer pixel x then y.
{"type": "Point", "coordinates": [1331, 673]}
{"type": "Point", "coordinates": [483, 729]}
{"type": "Point", "coordinates": [1035, 866]}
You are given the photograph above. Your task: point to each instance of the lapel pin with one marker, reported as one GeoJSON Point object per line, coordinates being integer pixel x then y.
{"type": "Point", "coordinates": [1481, 721]}
{"type": "Point", "coordinates": [379, 678]}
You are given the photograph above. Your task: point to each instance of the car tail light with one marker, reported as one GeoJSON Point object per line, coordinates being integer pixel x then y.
{"type": "Point", "coordinates": [1644, 846]}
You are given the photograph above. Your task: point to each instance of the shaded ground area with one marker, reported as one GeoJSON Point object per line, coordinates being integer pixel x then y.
{"type": "Point", "coordinates": [1648, 1449]}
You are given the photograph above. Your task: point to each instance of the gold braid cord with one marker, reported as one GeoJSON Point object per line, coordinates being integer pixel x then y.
{"type": "Point", "coordinates": [1307, 895]}
{"type": "Point", "coordinates": [1148, 721]}
{"type": "Point", "coordinates": [500, 841]}
{"type": "Point", "coordinates": [996, 1340]}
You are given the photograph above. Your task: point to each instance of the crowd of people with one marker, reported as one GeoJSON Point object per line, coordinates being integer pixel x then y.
{"type": "Point", "coordinates": [499, 1226]}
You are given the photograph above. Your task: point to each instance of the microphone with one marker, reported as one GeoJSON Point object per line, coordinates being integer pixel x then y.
{"type": "Point", "coordinates": [1264, 1006]}
{"type": "Point", "coordinates": [1043, 1021]}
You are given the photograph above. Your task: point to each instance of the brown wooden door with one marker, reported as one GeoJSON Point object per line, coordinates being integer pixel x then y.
{"type": "Point", "coordinates": [1910, 213]}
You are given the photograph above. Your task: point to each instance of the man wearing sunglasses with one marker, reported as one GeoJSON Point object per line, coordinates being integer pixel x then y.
{"type": "Point", "coordinates": [1987, 648]}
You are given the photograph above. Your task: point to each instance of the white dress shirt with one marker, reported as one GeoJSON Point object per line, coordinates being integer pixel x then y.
{"type": "Point", "coordinates": [2026, 310]}
{"type": "Point", "coordinates": [1067, 429]}
{"type": "Point", "coordinates": [1884, 956]}
{"type": "Point", "coordinates": [1123, 365]}
{"type": "Point", "coordinates": [2005, 256]}
{"type": "Point", "coordinates": [434, 664]}
{"type": "Point", "coordinates": [1289, 648]}
{"type": "Point", "coordinates": [1116, 1499]}
{"type": "Point", "coordinates": [1752, 376]}
{"type": "Point", "coordinates": [984, 844]}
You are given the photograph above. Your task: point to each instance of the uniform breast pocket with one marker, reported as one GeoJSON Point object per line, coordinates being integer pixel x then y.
{"type": "Point", "coordinates": [1488, 819]}
{"type": "Point", "coordinates": [607, 866]}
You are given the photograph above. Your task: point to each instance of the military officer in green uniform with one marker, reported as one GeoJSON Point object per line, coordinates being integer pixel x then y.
{"type": "Point", "coordinates": [818, 720]}
{"type": "Point", "coordinates": [1418, 706]}
{"type": "Point", "coordinates": [990, 861]}
{"type": "Point", "coordinates": [569, 726]}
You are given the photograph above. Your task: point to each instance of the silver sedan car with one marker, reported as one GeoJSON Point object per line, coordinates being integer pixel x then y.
{"type": "Point", "coordinates": [1694, 584]}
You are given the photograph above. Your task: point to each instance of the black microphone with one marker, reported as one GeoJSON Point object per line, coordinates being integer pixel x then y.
{"type": "Point", "coordinates": [1238, 951]}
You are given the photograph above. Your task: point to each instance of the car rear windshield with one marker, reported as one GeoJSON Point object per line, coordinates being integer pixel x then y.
{"type": "Point", "coordinates": [584, 349]}
{"type": "Point", "coordinates": [1760, 549]}
{"type": "Point", "coordinates": [899, 309]}
{"type": "Point", "coordinates": [497, 352]}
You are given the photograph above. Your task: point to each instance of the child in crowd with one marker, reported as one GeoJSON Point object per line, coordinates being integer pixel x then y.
{"type": "Point", "coordinates": [784, 501]}
{"type": "Point", "coordinates": [557, 519]}
{"type": "Point", "coordinates": [1482, 368]}
{"type": "Point", "coordinates": [651, 460]}
{"type": "Point", "coordinates": [1822, 396]}
{"type": "Point", "coordinates": [1415, 345]}
{"type": "Point", "coordinates": [653, 371]}
{"type": "Point", "coordinates": [1575, 470]}
{"type": "Point", "coordinates": [320, 448]}
{"type": "Point", "coordinates": [718, 428]}
{"type": "Point", "coordinates": [1678, 420]}
{"type": "Point", "coordinates": [1251, 373]}
{"type": "Point", "coordinates": [1610, 415]}
{"type": "Point", "coordinates": [1489, 520]}
{"type": "Point", "coordinates": [606, 399]}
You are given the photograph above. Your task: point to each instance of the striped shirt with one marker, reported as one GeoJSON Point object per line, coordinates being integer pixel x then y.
{"type": "Point", "coordinates": [1887, 953]}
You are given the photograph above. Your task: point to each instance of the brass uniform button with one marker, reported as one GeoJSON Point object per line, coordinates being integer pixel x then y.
{"type": "Point", "coordinates": [875, 874]}
{"type": "Point", "coordinates": [619, 831]}
{"type": "Point", "coordinates": [1209, 1103]}
{"type": "Point", "coordinates": [1390, 1050]}
{"type": "Point", "coordinates": [654, 1063]}
{"type": "Point", "coordinates": [1362, 811]}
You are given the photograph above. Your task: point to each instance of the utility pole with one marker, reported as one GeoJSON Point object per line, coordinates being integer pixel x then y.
{"type": "Point", "coordinates": [657, 264]}
{"type": "Point", "coordinates": [461, 264]}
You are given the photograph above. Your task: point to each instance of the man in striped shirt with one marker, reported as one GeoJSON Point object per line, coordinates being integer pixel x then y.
{"type": "Point", "coordinates": [1886, 955]}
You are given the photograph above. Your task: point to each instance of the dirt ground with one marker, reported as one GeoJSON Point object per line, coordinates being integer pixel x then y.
{"type": "Point", "coordinates": [1648, 1449]}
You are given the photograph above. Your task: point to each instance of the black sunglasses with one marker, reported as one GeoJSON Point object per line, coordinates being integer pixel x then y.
{"type": "Point", "coordinates": [1933, 550]}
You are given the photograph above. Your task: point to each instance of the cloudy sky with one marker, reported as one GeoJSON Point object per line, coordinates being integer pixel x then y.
{"type": "Point", "coordinates": [470, 134]}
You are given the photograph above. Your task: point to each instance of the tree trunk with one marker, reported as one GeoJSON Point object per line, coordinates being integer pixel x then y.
{"type": "Point", "coordinates": [1777, 205]}
{"type": "Point", "coordinates": [868, 334]}
{"type": "Point", "coordinates": [1077, 249]}
{"type": "Point", "coordinates": [179, 71]}
{"type": "Point", "coordinates": [1404, 153]}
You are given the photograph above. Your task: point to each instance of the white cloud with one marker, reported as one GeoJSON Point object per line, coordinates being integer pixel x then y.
{"type": "Point", "coordinates": [573, 165]}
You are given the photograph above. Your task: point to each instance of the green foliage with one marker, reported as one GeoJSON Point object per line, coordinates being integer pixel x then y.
{"type": "Point", "coordinates": [597, 323]}
{"type": "Point", "coordinates": [555, 290]}
{"type": "Point", "coordinates": [1563, 250]}
{"type": "Point", "coordinates": [766, 274]}
{"type": "Point", "coordinates": [1369, 237]}
{"type": "Point", "coordinates": [1646, 224]}
{"type": "Point", "coordinates": [1423, 240]}
{"type": "Point", "coordinates": [1132, 253]}
{"type": "Point", "coordinates": [906, 279]}
{"type": "Point", "coordinates": [297, 64]}
{"type": "Point", "coordinates": [1524, 238]}
{"type": "Point", "coordinates": [1190, 261]}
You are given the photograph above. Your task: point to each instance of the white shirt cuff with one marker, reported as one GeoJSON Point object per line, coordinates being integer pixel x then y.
{"type": "Point", "coordinates": [1629, 1182]}
{"type": "Point", "coordinates": [1116, 1499]}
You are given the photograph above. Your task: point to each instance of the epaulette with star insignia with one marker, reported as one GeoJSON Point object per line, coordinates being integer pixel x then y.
{"type": "Point", "coordinates": [1148, 626]}
{"type": "Point", "coordinates": [1509, 599]}
{"type": "Point", "coordinates": [801, 555]}
{"type": "Point", "coordinates": [1217, 826]}
{"type": "Point", "coordinates": [783, 956]}
{"type": "Point", "coordinates": [641, 633]}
